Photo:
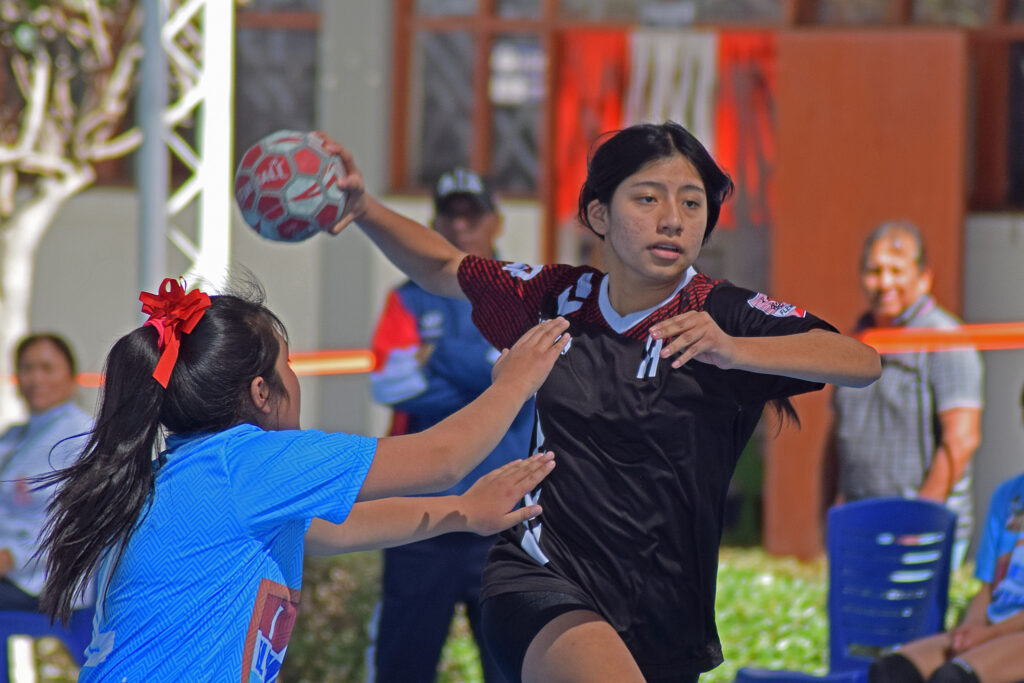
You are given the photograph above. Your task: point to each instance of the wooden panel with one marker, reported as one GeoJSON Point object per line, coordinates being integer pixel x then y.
{"type": "Point", "coordinates": [871, 126]}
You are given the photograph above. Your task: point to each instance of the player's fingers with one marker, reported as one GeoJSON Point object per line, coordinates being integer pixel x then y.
{"type": "Point", "coordinates": [340, 225]}
{"type": "Point", "coordinates": [548, 328]}
{"type": "Point", "coordinates": [675, 325]}
{"type": "Point", "coordinates": [534, 471]}
{"type": "Point", "coordinates": [520, 515]}
{"type": "Point", "coordinates": [683, 341]}
{"type": "Point", "coordinates": [691, 351]}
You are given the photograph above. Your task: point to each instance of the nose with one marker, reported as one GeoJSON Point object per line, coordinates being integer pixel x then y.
{"type": "Point", "coordinates": [885, 279]}
{"type": "Point", "coordinates": [670, 221]}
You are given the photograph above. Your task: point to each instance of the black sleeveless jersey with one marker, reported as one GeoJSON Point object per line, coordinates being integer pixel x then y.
{"type": "Point", "coordinates": [633, 510]}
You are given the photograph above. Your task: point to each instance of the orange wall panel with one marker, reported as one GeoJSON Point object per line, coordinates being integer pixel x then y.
{"type": "Point", "coordinates": [871, 126]}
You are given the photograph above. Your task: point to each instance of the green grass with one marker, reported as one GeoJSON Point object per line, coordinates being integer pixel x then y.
{"type": "Point", "coordinates": [770, 613]}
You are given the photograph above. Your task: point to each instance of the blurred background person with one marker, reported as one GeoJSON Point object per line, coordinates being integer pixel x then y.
{"type": "Point", "coordinates": [46, 374]}
{"type": "Point", "coordinates": [914, 431]}
{"type": "Point", "coordinates": [432, 362]}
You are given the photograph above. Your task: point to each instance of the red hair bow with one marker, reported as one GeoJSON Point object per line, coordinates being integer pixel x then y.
{"type": "Point", "coordinates": [173, 313]}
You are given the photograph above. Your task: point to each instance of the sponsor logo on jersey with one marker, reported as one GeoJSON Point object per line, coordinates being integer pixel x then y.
{"type": "Point", "coordinates": [523, 271]}
{"type": "Point", "coordinates": [271, 626]}
{"type": "Point", "coordinates": [431, 324]}
{"type": "Point", "coordinates": [1015, 520]}
{"type": "Point", "coordinates": [777, 309]}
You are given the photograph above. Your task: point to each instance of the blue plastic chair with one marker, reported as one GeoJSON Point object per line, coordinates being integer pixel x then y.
{"type": "Point", "coordinates": [75, 636]}
{"type": "Point", "coordinates": [889, 562]}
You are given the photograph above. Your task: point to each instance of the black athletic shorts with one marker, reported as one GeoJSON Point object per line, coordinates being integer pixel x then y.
{"type": "Point", "coordinates": [511, 621]}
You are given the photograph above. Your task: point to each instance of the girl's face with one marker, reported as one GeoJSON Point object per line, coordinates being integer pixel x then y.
{"type": "Point", "coordinates": [654, 225]}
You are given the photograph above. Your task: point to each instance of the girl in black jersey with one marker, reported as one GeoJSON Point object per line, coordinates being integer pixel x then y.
{"type": "Point", "coordinates": [648, 408]}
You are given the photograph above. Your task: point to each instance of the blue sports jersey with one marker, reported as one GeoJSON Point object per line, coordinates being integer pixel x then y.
{"type": "Point", "coordinates": [458, 369]}
{"type": "Point", "coordinates": [209, 581]}
{"type": "Point", "coordinates": [1000, 558]}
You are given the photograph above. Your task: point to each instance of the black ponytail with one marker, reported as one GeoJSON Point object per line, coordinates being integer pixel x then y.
{"type": "Point", "coordinates": [101, 496]}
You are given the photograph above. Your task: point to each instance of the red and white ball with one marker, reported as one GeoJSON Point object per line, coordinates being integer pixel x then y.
{"type": "Point", "coordinates": [285, 186]}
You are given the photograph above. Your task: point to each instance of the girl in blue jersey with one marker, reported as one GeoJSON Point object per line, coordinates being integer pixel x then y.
{"type": "Point", "coordinates": [985, 647]}
{"type": "Point", "coordinates": [648, 408]}
{"type": "Point", "coordinates": [198, 549]}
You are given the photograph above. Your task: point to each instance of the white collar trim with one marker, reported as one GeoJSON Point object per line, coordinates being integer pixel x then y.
{"type": "Point", "coordinates": [622, 323]}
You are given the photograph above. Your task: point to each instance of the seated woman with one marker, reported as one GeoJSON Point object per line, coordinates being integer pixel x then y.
{"type": "Point", "coordinates": [987, 646]}
{"type": "Point", "coordinates": [45, 367]}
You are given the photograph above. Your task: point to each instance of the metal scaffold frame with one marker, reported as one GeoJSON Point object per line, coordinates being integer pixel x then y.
{"type": "Point", "coordinates": [189, 50]}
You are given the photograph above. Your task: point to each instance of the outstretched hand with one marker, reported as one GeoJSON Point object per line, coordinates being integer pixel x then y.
{"type": "Point", "coordinates": [533, 355]}
{"type": "Point", "coordinates": [351, 183]}
{"type": "Point", "coordinates": [488, 504]}
{"type": "Point", "coordinates": [696, 337]}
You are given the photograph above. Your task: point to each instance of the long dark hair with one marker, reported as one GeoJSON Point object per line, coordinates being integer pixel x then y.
{"type": "Point", "coordinates": [101, 496]}
{"type": "Point", "coordinates": [622, 153]}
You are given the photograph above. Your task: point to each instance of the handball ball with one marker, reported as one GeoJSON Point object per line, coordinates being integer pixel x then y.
{"type": "Point", "coordinates": [285, 186]}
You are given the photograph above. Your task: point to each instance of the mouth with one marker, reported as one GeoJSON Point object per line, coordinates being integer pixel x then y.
{"type": "Point", "coordinates": [665, 250]}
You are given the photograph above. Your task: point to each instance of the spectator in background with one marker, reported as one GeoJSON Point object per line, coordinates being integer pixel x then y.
{"type": "Point", "coordinates": [433, 361]}
{"type": "Point", "coordinates": [986, 646]}
{"type": "Point", "coordinates": [46, 372]}
{"type": "Point", "coordinates": [913, 432]}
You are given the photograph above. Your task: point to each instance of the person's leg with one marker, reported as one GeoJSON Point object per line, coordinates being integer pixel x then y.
{"type": "Point", "coordinates": [925, 655]}
{"type": "Point", "coordinates": [894, 668]}
{"type": "Point", "coordinates": [955, 670]}
{"type": "Point", "coordinates": [511, 621]}
{"type": "Point", "coordinates": [415, 613]}
{"type": "Point", "coordinates": [579, 647]}
{"type": "Point", "coordinates": [998, 660]}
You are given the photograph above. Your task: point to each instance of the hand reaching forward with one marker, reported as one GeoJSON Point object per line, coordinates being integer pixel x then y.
{"type": "Point", "coordinates": [488, 504]}
{"type": "Point", "coordinates": [697, 337]}
{"type": "Point", "coordinates": [533, 355]}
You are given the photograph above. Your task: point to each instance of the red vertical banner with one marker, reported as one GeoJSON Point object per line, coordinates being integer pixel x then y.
{"type": "Point", "coordinates": [745, 124]}
{"type": "Point", "coordinates": [591, 83]}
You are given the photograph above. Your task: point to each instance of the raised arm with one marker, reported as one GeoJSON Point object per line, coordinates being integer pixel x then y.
{"type": "Point", "coordinates": [438, 457]}
{"type": "Point", "coordinates": [815, 356]}
{"type": "Point", "coordinates": [426, 257]}
{"type": "Point", "coordinates": [489, 506]}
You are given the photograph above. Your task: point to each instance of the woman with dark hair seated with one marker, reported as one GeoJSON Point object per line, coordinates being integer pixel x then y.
{"type": "Point", "coordinates": [45, 367]}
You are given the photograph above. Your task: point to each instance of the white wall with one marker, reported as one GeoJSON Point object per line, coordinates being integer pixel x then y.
{"type": "Point", "coordinates": [994, 292]}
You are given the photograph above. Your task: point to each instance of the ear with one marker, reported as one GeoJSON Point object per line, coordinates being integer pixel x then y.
{"type": "Point", "coordinates": [924, 282]}
{"type": "Point", "coordinates": [259, 393]}
{"type": "Point", "coordinates": [597, 214]}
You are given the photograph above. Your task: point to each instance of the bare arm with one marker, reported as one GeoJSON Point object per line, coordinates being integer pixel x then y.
{"type": "Point", "coordinates": [960, 435]}
{"type": "Point", "coordinates": [486, 508]}
{"type": "Point", "coordinates": [425, 256]}
{"type": "Point", "coordinates": [438, 457]}
{"type": "Point", "coordinates": [815, 356]}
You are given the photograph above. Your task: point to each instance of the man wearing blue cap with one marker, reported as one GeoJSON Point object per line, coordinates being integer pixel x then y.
{"type": "Point", "coordinates": [431, 362]}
